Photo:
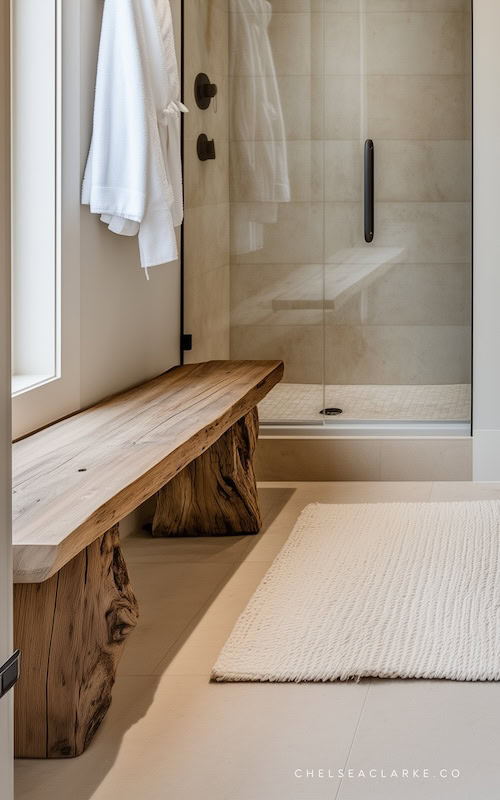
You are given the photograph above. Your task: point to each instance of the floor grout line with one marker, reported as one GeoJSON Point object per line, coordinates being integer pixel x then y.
{"type": "Point", "coordinates": [337, 795]}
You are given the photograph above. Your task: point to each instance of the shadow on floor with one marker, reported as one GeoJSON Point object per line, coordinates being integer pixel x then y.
{"type": "Point", "coordinates": [81, 778]}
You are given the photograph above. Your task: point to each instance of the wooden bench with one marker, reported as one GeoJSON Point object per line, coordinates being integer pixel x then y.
{"type": "Point", "coordinates": [189, 437]}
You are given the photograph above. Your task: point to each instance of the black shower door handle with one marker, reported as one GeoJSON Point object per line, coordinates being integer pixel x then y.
{"type": "Point", "coordinates": [369, 190]}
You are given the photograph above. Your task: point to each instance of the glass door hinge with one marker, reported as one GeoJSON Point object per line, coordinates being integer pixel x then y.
{"type": "Point", "coordinates": [9, 673]}
{"type": "Point", "coordinates": [187, 341]}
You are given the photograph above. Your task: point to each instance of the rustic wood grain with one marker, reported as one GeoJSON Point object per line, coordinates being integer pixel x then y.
{"type": "Point", "coordinates": [71, 630]}
{"type": "Point", "coordinates": [74, 480]}
{"type": "Point", "coordinates": [34, 605]}
{"type": "Point", "coordinates": [216, 494]}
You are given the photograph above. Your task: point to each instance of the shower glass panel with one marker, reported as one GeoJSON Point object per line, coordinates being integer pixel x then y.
{"type": "Point", "coordinates": [372, 325]}
{"type": "Point", "coordinates": [276, 194]}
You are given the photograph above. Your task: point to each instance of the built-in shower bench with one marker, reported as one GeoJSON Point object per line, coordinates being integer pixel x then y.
{"type": "Point", "coordinates": [189, 437]}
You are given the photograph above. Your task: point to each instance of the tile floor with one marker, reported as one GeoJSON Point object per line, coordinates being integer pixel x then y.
{"type": "Point", "coordinates": [170, 734]}
{"type": "Point", "coordinates": [302, 402]}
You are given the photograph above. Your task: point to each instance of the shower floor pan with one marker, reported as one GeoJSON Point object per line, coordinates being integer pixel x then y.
{"type": "Point", "coordinates": [297, 403]}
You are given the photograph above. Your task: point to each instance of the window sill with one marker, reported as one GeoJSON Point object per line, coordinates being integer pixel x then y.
{"type": "Point", "coordinates": [23, 383]}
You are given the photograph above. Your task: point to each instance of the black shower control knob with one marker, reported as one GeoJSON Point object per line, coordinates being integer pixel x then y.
{"type": "Point", "coordinates": [204, 90]}
{"type": "Point", "coordinates": [210, 90]}
{"type": "Point", "coordinates": [205, 148]}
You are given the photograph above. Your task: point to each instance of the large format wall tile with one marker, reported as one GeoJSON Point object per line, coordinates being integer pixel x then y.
{"type": "Point", "coordinates": [343, 231]}
{"type": "Point", "coordinates": [427, 232]}
{"type": "Point", "coordinates": [318, 459]}
{"type": "Point", "coordinates": [206, 238]}
{"type": "Point", "coordinates": [295, 238]}
{"type": "Point", "coordinates": [342, 44]}
{"type": "Point", "coordinates": [415, 44]}
{"type": "Point", "coordinates": [206, 183]}
{"type": "Point", "coordinates": [410, 294]}
{"type": "Point", "coordinates": [424, 171]}
{"type": "Point", "coordinates": [255, 288]}
{"type": "Point", "coordinates": [301, 105]}
{"type": "Point", "coordinates": [421, 232]}
{"type": "Point", "coordinates": [416, 107]}
{"type": "Point", "coordinates": [206, 24]}
{"type": "Point", "coordinates": [405, 171]}
{"type": "Point", "coordinates": [301, 349]}
{"type": "Point", "coordinates": [207, 315]}
{"type": "Point", "coordinates": [397, 355]}
{"type": "Point", "coordinates": [296, 5]}
{"type": "Point", "coordinates": [380, 43]}
{"type": "Point", "coordinates": [399, 6]}
{"type": "Point", "coordinates": [290, 39]}
{"type": "Point", "coordinates": [344, 170]}
{"type": "Point", "coordinates": [430, 460]}
{"type": "Point", "coordinates": [305, 170]}
{"type": "Point", "coordinates": [342, 108]}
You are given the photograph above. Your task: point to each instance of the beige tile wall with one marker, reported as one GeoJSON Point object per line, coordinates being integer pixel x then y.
{"type": "Point", "coordinates": [206, 232]}
{"type": "Point", "coordinates": [402, 79]}
{"type": "Point", "coordinates": [320, 458]}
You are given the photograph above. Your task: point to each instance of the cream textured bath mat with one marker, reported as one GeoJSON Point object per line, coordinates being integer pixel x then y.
{"type": "Point", "coordinates": [408, 590]}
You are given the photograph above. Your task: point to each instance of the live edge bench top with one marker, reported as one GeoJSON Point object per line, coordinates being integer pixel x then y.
{"type": "Point", "coordinates": [74, 480]}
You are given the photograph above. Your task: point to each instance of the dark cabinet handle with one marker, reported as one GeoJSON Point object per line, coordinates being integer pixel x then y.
{"type": "Point", "coordinates": [369, 190]}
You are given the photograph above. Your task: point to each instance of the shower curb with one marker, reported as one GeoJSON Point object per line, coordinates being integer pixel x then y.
{"type": "Point", "coordinates": [323, 458]}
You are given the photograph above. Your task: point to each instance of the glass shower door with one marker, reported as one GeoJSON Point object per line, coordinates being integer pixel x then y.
{"type": "Point", "coordinates": [373, 325]}
{"type": "Point", "coordinates": [397, 298]}
{"type": "Point", "coordinates": [276, 194]}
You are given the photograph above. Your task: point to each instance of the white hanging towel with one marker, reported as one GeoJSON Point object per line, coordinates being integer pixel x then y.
{"type": "Point", "coordinates": [133, 178]}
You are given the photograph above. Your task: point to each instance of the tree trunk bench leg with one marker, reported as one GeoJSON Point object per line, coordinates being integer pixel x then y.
{"type": "Point", "coordinates": [216, 494]}
{"type": "Point", "coordinates": [71, 630]}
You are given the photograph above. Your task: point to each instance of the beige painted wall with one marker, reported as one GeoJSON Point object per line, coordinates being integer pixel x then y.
{"type": "Point", "coordinates": [129, 326]}
{"type": "Point", "coordinates": [206, 262]}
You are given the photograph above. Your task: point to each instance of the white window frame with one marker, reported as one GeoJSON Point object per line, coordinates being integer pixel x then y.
{"type": "Point", "coordinates": [38, 401]}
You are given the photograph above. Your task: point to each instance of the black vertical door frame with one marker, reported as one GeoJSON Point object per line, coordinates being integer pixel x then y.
{"type": "Point", "coordinates": [181, 249]}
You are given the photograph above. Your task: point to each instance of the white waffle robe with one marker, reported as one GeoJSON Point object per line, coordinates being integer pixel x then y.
{"type": "Point", "coordinates": [133, 177]}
